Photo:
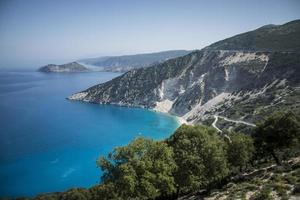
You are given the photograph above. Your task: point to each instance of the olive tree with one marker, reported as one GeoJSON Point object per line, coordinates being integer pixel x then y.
{"type": "Point", "coordinates": [240, 149]}
{"type": "Point", "coordinates": [279, 131]}
{"type": "Point", "coordinates": [142, 170]}
{"type": "Point", "coordinates": [200, 157]}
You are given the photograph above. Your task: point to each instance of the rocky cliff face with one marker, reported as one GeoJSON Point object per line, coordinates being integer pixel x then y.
{"type": "Point", "coordinates": [240, 86]}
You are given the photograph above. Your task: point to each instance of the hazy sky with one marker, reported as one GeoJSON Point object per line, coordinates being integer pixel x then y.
{"type": "Point", "coordinates": [34, 32]}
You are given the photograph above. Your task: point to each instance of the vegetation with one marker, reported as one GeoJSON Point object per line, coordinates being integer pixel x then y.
{"type": "Point", "coordinates": [200, 156]}
{"type": "Point", "coordinates": [266, 38]}
{"type": "Point", "coordinates": [240, 150]}
{"type": "Point", "coordinates": [197, 158]}
{"type": "Point", "coordinates": [143, 169]}
{"type": "Point", "coordinates": [279, 131]}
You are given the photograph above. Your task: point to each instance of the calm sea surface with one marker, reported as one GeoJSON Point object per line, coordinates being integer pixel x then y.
{"type": "Point", "coordinates": [51, 144]}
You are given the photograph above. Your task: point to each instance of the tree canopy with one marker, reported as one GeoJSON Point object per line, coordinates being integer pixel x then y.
{"type": "Point", "coordinates": [143, 169]}
{"type": "Point", "coordinates": [280, 130]}
{"type": "Point", "coordinates": [240, 149]}
{"type": "Point", "coordinates": [200, 157]}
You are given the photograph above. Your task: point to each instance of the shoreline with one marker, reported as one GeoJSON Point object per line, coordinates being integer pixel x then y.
{"type": "Point", "coordinates": [180, 120]}
{"type": "Point", "coordinates": [78, 97]}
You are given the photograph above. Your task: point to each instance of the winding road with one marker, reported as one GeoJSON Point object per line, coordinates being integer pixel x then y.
{"type": "Point", "coordinates": [214, 124]}
{"type": "Point", "coordinates": [236, 121]}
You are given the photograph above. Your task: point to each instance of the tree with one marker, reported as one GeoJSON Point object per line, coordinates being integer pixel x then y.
{"type": "Point", "coordinates": [104, 191]}
{"type": "Point", "coordinates": [143, 169]}
{"type": "Point", "coordinates": [76, 194]}
{"type": "Point", "coordinates": [200, 157]}
{"type": "Point", "coordinates": [279, 131]}
{"type": "Point", "coordinates": [240, 150]}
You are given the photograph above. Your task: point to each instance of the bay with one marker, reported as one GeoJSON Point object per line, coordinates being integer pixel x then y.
{"type": "Point", "coordinates": [51, 144]}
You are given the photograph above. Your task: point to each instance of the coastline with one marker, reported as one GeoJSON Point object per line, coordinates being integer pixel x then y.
{"type": "Point", "coordinates": [163, 107]}
{"type": "Point", "coordinates": [180, 120]}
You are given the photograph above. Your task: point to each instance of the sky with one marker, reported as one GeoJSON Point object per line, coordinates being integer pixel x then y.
{"type": "Point", "coordinates": [38, 32]}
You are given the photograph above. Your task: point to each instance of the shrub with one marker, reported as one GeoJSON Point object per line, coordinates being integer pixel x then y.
{"type": "Point", "coordinates": [240, 149]}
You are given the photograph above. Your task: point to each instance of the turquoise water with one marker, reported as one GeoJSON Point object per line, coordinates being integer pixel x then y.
{"type": "Point", "coordinates": [51, 144]}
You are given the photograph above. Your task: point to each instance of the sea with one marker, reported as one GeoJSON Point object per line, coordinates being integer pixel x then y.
{"type": "Point", "coordinates": [51, 144]}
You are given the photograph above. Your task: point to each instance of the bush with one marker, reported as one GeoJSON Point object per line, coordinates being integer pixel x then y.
{"type": "Point", "coordinates": [279, 131]}
{"type": "Point", "coordinates": [240, 149]}
{"type": "Point", "coordinates": [264, 194]}
{"type": "Point", "coordinates": [296, 190]}
{"type": "Point", "coordinates": [76, 194]}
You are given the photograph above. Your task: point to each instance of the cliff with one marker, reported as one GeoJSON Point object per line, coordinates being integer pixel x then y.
{"type": "Point", "coordinates": [238, 87]}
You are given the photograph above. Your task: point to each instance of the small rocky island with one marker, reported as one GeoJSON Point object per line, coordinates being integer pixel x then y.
{"type": "Point", "coordinates": [69, 67]}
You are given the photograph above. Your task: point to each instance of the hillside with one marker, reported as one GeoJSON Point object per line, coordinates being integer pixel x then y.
{"type": "Point", "coordinates": [69, 67]}
{"type": "Point", "coordinates": [237, 85]}
{"type": "Point", "coordinates": [129, 62]}
{"type": "Point", "coordinates": [267, 38]}
{"type": "Point", "coordinates": [268, 182]}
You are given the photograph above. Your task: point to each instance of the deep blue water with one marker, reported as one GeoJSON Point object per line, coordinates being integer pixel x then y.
{"type": "Point", "coordinates": [51, 144]}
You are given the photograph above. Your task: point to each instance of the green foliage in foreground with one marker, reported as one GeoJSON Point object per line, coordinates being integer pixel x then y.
{"type": "Point", "coordinates": [194, 158]}
{"type": "Point", "coordinates": [143, 169]}
{"type": "Point", "coordinates": [276, 133]}
{"type": "Point", "coordinates": [200, 156]}
{"type": "Point", "coordinates": [240, 150]}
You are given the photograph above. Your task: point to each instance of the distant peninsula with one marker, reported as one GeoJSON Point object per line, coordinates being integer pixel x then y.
{"type": "Point", "coordinates": [69, 67]}
{"type": "Point", "coordinates": [129, 62]}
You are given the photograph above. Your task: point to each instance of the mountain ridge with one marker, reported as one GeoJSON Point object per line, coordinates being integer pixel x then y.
{"type": "Point", "coordinates": [266, 38]}
{"type": "Point", "coordinates": [237, 84]}
{"type": "Point", "coordinates": [128, 62]}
